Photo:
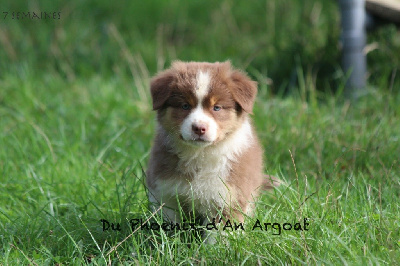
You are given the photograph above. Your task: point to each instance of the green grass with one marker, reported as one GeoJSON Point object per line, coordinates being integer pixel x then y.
{"type": "Point", "coordinates": [76, 128]}
{"type": "Point", "coordinates": [73, 154]}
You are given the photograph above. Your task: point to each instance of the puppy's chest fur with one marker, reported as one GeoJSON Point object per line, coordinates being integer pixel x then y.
{"type": "Point", "coordinates": [200, 181]}
{"type": "Point", "coordinates": [201, 177]}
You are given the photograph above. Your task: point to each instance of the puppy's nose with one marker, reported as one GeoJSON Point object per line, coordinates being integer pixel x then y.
{"type": "Point", "coordinates": [199, 129]}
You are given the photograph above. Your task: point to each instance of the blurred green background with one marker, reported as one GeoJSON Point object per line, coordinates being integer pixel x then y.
{"type": "Point", "coordinates": [272, 40]}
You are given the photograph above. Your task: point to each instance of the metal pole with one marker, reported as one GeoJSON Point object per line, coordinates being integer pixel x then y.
{"type": "Point", "coordinates": [353, 20]}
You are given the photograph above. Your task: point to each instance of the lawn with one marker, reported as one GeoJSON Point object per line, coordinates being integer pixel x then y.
{"type": "Point", "coordinates": [76, 127]}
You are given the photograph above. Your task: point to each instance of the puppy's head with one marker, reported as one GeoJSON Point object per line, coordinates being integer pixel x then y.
{"type": "Point", "coordinates": [201, 103]}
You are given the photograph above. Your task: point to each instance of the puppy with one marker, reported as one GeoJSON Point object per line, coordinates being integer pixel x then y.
{"type": "Point", "coordinates": [206, 158]}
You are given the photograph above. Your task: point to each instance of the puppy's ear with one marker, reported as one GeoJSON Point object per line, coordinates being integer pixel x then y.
{"type": "Point", "coordinates": [244, 90]}
{"type": "Point", "coordinates": [160, 88]}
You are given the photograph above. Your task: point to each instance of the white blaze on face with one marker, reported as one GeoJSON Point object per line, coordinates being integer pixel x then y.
{"type": "Point", "coordinates": [202, 84]}
{"type": "Point", "coordinates": [198, 117]}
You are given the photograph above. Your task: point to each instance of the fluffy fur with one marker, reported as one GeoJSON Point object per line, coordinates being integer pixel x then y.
{"type": "Point", "coordinates": [206, 157]}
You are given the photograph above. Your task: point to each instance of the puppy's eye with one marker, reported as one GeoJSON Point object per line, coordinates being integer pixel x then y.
{"type": "Point", "coordinates": [185, 106]}
{"type": "Point", "coordinates": [217, 108]}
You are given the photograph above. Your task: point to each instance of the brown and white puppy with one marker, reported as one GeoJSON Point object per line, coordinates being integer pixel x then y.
{"type": "Point", "coordinates": [206, 156]}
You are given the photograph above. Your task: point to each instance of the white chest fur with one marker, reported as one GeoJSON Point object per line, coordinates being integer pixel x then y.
{"type": "Point", "coordinates": [208, 169]}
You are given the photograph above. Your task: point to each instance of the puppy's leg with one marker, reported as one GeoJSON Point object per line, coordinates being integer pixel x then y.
{"type": "Point", "coordinates": [169, 209]}
{"type": "Point", "coordinates": [270, 182]}
{"type": "Point", "coordinates": [211, 227]}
